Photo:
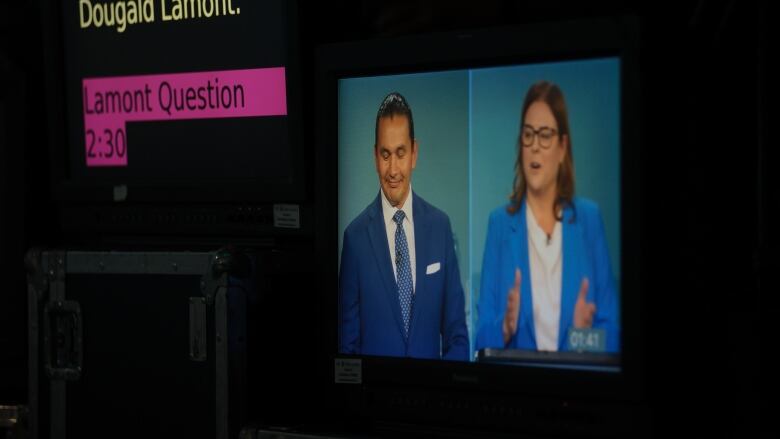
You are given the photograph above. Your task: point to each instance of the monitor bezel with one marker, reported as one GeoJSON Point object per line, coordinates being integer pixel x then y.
{"type": "Point", "coordinates": [565, 40]}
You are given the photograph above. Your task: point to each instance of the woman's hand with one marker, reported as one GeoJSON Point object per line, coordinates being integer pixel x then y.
{"type": "Point", "coordinates": [583, 311]}
{"type": "Point", "coordinates": [509, 328]}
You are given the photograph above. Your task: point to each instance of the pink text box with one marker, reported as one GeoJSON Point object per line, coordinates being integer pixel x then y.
{"type": "Point", "coordinates": [110, 102]}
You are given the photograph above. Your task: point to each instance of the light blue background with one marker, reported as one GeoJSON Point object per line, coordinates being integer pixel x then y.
{"type": "Point", "coordinates": [466, 123]}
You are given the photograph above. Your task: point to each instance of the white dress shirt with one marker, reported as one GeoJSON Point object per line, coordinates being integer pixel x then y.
{"type": "Point", "coordinates": [390, 226]}
{"type": "Point", "coordinates": [546, 266]}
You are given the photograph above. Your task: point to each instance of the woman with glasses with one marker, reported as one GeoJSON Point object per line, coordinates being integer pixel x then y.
{"type": "Point", "coordinates": [546, 266]}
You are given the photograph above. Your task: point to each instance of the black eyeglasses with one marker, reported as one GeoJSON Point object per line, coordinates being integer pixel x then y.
{"type": "Point", "coordinates": [545, 134]}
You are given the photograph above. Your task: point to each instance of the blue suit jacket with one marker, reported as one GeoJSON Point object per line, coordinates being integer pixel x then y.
{"type": "Point", "coordinates": [370, 321]}
{"type": "Point", "coordinates": [585, 254]}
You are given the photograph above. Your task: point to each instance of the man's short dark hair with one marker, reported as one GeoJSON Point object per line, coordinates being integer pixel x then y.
{"type": "Point", "coordinates": [394, 104]}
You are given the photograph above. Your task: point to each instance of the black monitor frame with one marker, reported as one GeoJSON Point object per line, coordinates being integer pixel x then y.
{"type": "Point", "coordinates": [70, 191]}
{"type": "Point", "coordinates": [598, 37]}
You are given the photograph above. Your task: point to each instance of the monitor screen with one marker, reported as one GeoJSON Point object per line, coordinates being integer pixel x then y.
{"type": "Point", "coordinates": [509, 180]}
{"type": "Point", "coordinates": [185, 94]}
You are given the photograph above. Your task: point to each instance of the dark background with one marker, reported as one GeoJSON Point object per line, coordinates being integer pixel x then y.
{"type": "Point", "coordinates": [709, 191]}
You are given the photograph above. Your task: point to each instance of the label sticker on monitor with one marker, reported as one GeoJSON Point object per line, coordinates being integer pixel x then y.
{"type": "Point", "coordinates": [349, 371]}
{"type": "Point", "coordinates": [287, 216]}
{"type": "Point", "coordinates": [587, 340]}
{"type": "Point", "coordinates": [120, 192]}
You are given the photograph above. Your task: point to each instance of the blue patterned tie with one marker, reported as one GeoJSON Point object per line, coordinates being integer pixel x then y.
{"type": "Point", "coordinates": [403, 269]}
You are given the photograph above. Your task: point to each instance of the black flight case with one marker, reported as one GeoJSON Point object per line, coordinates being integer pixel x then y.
{"type": "Point", "coordinates": [137, 344]}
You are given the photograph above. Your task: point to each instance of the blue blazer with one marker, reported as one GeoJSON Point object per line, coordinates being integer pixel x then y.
{"type": "Point", "coordinates": [584, 254]}
{"type": "Point", "coordinates": [370, 321]}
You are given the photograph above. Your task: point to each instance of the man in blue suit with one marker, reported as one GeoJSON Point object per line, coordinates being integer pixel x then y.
{"type": "Point", "coordinates": [399, 286]}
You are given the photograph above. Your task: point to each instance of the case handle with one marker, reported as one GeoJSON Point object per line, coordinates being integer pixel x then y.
{"type": "Point", "coordinates": [62, 340]}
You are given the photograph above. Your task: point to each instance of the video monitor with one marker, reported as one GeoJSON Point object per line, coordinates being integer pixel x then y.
{"type": "Point", "coordinates": [191, 100]}
{"type": "Point", "coordinates": [479, 226]}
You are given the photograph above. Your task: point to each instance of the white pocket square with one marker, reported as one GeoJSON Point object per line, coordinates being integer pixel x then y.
{"type": "Point", "coordinates": [433, 268]}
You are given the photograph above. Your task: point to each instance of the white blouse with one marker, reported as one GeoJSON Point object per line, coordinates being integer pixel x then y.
{"type": "Point", "coordinates": [546, 264]}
